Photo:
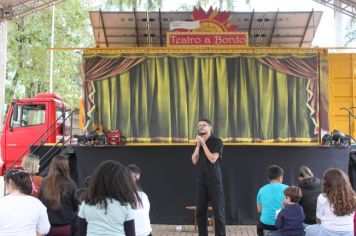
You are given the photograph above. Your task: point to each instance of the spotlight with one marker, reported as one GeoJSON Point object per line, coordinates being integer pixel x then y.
{"type": "Point", "coordinates": [338, 136]}
{"type": "Point", "coordinates": [327, 139]}
{"type": "Point", "coordinates": [346, 140]}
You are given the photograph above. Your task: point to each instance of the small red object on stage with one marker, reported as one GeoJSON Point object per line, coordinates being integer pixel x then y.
{"type": "Point", "coordinates": [115, 138]}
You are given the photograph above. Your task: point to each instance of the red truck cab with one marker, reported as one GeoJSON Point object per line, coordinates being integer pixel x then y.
{"type": "Point", "coordinates": [29, 118]}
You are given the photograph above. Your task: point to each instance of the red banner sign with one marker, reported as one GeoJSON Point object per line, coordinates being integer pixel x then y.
{"type": "Point", "coordinates": [236, 39]}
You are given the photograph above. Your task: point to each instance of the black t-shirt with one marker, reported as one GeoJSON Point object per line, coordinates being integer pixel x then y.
{"type": "Point", "coordinates": [208, 173]}
{"type": "Point", "coordinates": [66, 214]}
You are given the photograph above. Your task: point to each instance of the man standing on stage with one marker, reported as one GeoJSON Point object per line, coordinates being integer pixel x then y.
{"type": "Point", "coordinates": [207, 157]}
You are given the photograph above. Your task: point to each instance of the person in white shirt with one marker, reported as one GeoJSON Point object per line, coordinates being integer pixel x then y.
{"type": "Point", "coordinates": [142, 213]}
{"type": "Point", "coordinates": [20, 213]}
{"type": "Point", "coordinates": [335, 206]}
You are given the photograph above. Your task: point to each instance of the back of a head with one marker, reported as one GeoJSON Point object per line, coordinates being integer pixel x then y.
{"type": "Point", "coordinates": [338, 190]}
{"type": "Point", "coordinates": [134, 169]}
{"type": "Point", "coordinates": [81, 194]}
{"type": "Point", "coordinates": [294, 193]}
{"type": "Point", "coordinates": [19, 179]}
{"type": "Point", "coordinates": [111, 180]}
{"type": "Point", "coordinates": [57, 182]}
{"type": "Point", "coordinates": [31, 163]}
{"type": "Point", "coordinates": [305, 172]}
{"type": "Point", "coordinates": [274, 172]}
{"type": "Point", "coordinates": [59, 168]}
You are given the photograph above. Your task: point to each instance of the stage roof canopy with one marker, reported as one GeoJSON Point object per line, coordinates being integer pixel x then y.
{"type": "Point", "coordinates": [275, 29]}
{"type": "Point", "coordinates": [12, 9]}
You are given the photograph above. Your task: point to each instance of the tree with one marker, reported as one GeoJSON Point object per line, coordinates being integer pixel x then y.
{"type": "Point", "coordinates": [350, 36]}
{"type": "Point", "coordinates": [222, 5]}
{"type": "Point", "coordinates": [130, 4]}
{"type": "Point", "coordinates": [155, 4]}
{"type": "Point", "coordinates": [28, 38]}
{"type": "Point", "coordinates": [28, 60]}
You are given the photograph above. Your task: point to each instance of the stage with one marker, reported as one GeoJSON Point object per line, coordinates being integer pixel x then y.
{"type": "Point", "coordinates": [168, 175]}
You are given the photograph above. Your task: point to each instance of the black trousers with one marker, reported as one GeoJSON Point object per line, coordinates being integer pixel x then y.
{"type": "Point", "coordinates": [261, 227]}
{"type": "Point", "coordinates": [213, 194]}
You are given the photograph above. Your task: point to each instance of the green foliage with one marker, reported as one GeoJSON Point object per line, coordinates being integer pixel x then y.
{"type": "Point", "coordinates": [29, 61]}
{"type": "Point", "coordinates": [350, 36]}
{"type": "Point", "coordinates": [221, 4]}
{"type": "Point", "coordinates": [130, 4]}
{"type": "Point", "coordinates": [28, 38]}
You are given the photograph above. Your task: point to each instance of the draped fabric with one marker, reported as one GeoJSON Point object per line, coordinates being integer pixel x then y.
{"type": "Point", "coordinates": [300, 67]}
{"type": "Point", "coordinates": [97, 68]}
{"type": "Point", "coordinates": [247, 99]}
{"type": "Point", "coordinates": [101, 67]}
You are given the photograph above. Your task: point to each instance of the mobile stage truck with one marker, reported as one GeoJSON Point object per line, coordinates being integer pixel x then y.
{"type": "Point", "coordinates": [267, 103]}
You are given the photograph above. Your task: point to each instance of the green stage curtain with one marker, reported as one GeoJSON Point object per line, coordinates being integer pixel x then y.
{"type": "Point", "coordinates": [162, 98]}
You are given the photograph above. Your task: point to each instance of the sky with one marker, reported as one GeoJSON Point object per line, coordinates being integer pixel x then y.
{"type": "Point", "coordinates": [325, 35]}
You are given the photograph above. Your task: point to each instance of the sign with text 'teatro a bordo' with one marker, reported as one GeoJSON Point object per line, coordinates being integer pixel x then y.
{"type": "Point", "coordinates": [209, 28]}
{"type": "Point", "coordinates": [207, 39]}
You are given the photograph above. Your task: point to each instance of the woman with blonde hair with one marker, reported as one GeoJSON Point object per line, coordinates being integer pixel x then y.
{"type": "Point", "coordinates": [335, 206]}
{"type": "Point", "coordinates": [31, 164]}
{"type": "Point", "coordinates": [58, 195]}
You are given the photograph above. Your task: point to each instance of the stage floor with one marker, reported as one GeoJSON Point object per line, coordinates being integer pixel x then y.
{"type": "Point", "coordinates": [188, 230]}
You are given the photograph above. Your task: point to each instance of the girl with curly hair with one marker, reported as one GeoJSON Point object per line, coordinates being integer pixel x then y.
{"type": "Point", "coordinates": [335, 206]}
{"type": "Point", "coordinates": [108, 207]}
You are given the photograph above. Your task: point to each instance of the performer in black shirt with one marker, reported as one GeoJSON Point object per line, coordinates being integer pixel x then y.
{"type": "Point", "coordinates": [207, 157]}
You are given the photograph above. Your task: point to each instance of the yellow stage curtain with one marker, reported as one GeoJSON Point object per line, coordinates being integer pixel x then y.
{"type": "Point", "coordinates": [162, 98]}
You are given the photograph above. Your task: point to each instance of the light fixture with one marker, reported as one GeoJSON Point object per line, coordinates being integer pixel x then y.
{"type": "Point", "coordinates": [337, 137]}
{"type": "Point", "coordinates": [327, 139]}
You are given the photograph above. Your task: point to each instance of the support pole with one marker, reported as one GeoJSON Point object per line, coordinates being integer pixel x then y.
{"type": "Point", "coordinates": [3, 52]}
{"type": "Point", "coordinates": [52, 54]}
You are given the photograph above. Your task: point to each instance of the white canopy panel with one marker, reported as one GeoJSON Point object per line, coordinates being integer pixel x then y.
{"type": "Point", "coordinates": [275, 29]}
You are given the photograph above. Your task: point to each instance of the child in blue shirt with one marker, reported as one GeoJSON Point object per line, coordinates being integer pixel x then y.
{"type": "Point", "coordinates": [269, 199]}
{"type": "Point", "coordinates": [290, 219]}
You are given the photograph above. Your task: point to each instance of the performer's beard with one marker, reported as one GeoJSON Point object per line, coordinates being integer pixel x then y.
{"type": "Point", "coordinates": [201, 133]}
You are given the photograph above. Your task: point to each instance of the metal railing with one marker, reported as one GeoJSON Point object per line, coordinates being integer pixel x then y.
{"type": "Point", "coordinates": [351, 115]}
{"type": "Point", "coordinates": [43, 141]}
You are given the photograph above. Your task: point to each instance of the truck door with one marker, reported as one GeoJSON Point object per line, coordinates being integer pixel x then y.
{"type": "Point", "coordinates": [28, 122]}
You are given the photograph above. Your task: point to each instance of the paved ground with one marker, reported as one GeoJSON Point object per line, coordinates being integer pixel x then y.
{"type": "Point", "coordinates": [188, 230]}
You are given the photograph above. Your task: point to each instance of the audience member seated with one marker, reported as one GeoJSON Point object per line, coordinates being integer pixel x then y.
{"type": "Point", "coordinates": [311, 189]}
{"type": "Point", "coordinates": [142, 213]}
{"type": "Point", "coordinates": [108, 207]}
{"type": "Point", "coordinates": [290, 219]}
{"type": "Point", "coordinates": [335, 206]}
{"type": "Point", "coordinates": [80, 196]}
{"type": "Point", "coordinates": [354, 223]}
{"type": "Point", "coordinates": [31, 163]}
{"type": "Point", "coordinates": [20, 213]}
{"type": "Point", "coordinates": [269, 199]}
{"type": "Point", "coordinates": [58, 195]}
